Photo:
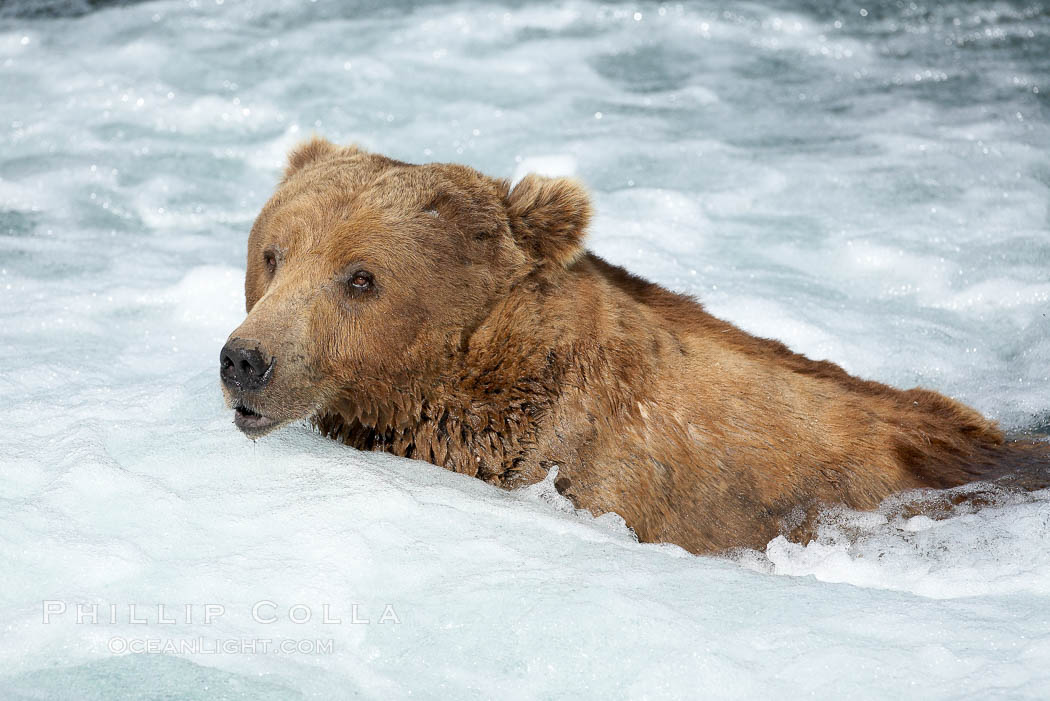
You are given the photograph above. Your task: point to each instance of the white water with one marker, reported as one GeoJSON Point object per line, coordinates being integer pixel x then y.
{"type": "Point", "coordinates": [871, 188]}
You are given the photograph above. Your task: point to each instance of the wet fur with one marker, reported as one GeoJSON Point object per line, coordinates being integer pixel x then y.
{"type": "Point", "coordinates": [537, 353]}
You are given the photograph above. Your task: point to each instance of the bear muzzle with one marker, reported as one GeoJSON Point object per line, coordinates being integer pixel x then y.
{"type": "Point", "coordinates": [245, 369]}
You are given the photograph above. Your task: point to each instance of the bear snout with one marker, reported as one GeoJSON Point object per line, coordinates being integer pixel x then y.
{"type": "Point", "coordinates": [244, 366]}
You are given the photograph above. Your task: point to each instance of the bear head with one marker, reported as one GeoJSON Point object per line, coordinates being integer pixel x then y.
{"type": "Point", "coordinates": [367, 276]}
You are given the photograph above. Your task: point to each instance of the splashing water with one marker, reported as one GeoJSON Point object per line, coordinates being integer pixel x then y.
{"type": "Point", "coordinates": [866, 183]}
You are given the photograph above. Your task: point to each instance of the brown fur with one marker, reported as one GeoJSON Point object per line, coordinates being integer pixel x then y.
{"type": "Point", "coordinates": [494, 345]}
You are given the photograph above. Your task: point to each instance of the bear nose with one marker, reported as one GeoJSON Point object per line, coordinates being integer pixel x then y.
{"type": "Point", "coordinates": [243, 367]}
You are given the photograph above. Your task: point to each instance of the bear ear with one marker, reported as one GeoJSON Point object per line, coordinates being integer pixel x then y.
{"type": "Point", "coordinates": [312, 150]}
{"type": "Point", "coordinates": [549, 217]}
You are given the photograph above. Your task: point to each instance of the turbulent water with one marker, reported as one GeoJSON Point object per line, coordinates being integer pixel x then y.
{"type": "Point", "coordinates": [867, 182]}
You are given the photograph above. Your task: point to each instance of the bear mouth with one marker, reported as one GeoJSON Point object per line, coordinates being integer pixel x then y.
{"type": "Point", "coordinates": [251, 422]}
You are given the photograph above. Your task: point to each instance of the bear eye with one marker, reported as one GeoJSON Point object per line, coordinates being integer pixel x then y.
{"type": "Point", "coordinates": [270, 260]}
{"type": "Point", "coordinates": [361, 281]}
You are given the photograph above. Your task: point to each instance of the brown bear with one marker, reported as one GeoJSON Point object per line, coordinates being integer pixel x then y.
{"type": "Point", "coordinates": [436, 313]}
